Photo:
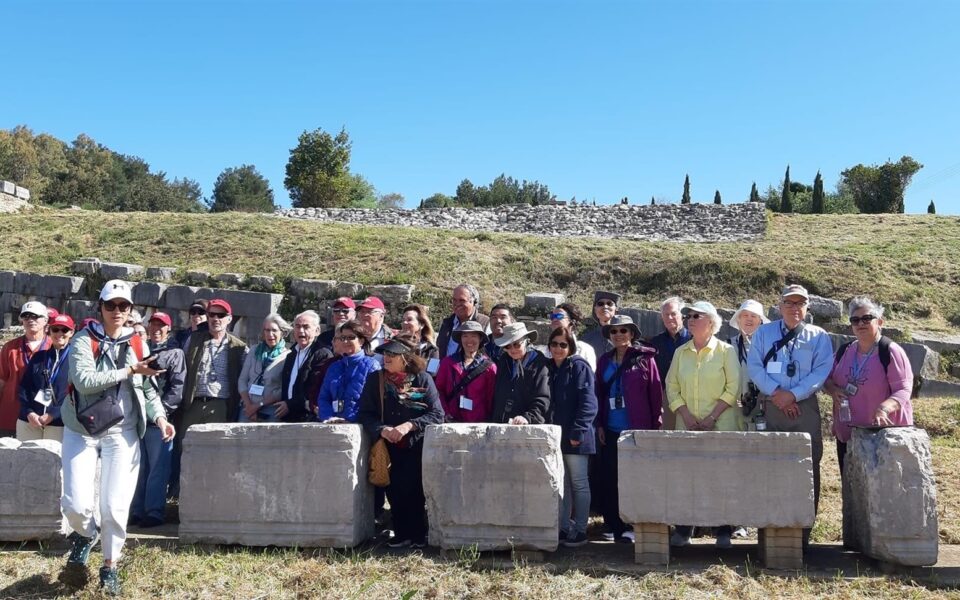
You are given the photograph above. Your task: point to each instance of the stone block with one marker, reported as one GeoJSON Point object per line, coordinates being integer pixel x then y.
{"type": "Point", "coordinates": [350, 289]}
{"type": "Point", "coordinates": [263, 283]}
{"type": "Point", "coordinates": [198, 277]}
{"type": "Point", "coordinates": [30, 486]}
{"type": "Point", "coordinates": [85, 266]}
{"type": "Point", "coordinates": [50, 286]}
{"type": "Point", "coordinates": [149, 293]}
{"type": "Point", "coordinates": [251, 304]}
{"type": "Point", "coordinates": [493, 487]}
{"type": "Point", "coordinates": [781, 548]}
{"type": "Point", "coordinates": [234, 279]}
{"type": "Point", "coordinates": [890, 496]}
{"type": "Point", "coordinates": [81, 309]}
{"type": "Point", "coordinates": [539, 303]}
{"type": "Point", "coordinates": [9, 187]}
{"type": "Point", "coordinates": [392, 295]}
{"type": "Point", "coordinates": [652, 544]}
{"type": "Point", "coordinates": [180, 297]}
{"type": "Point", "coordinates": [312, 288]}
{"type": "Point", "coordinates": [7, 282]}
{"type": "Point", "coordinates": [648, 321]}
{"type": "Point", "coordinates": [125, 271]}
{"type": "Point", "coordinates": [161, 273]}
{"type": "Point", "coordinates": [542, 328]}
{"type": "Point", "coordinates": [22, 193]}
{"type": "Point", "coordinates": [273, 484]}
{"type": "Point", "coordinates": [825, 308]}
{"type": "Point", "coordinates": [716, 477]}
{"type": "Point", "coordinates": [938, 342]}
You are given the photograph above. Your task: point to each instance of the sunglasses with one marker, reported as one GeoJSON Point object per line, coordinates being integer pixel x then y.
{"type": "Point", "coordinates": [341, 311]}
{"type": "Point", "coordinates": [694, 316]}
{"type": "Point", "coordinates": [515, 344]}
{"type": "Point", "coordinates": [197, 311]}
{"type": "Point", "coordinates": [561, 345]}
{"type": "Point", "coordinates": [347, 338]}
{"type": "Point", "coordinates": [605, 303]}
{"type": "Point", "coordinates": [558, 316]}
{"type": "Point", "coordinates": [30, 317]}
{"type": "Point", "coordinates": [114, 306]}
{"type": "Point", "coordinates": [217, 315]}
{"type": "Point", "coordinates": [59, 329]}
{"type": "Point", "coordinates": [865, 319]}
{"type": "Point", "coordinates": [620, 331]}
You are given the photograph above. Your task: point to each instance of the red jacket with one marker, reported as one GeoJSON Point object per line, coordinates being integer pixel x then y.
{"type": "Point", "coordinates": [13, 363]}
{"type": "Point", "coordinates": [480, 390]}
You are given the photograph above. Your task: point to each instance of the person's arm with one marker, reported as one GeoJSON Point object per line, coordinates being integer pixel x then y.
{"type": "Point", "coordinates": [351, 406]}
{"type": "Point", "coordinates": [246, 375]}
{"type": "Point", "coordinates": [900, 380]}
{"type": "Point", "coordinates": [731, 371]}
{"type": "Point", "coordinates": [369, 413]}
{"type": "Point", "coordinates": [444, 385]}
{"type": "Point", "coordinates": [586, 410]}
{"type": "Point", "coordinates": [755, 367]}
{"type": "Point", "coordinates": [26, 393]}
{"type": "Point", "coordinates": [325, 399]}
{"type": "Point", "coordinates": [821, 365]}
{"type": "Point", "coordinates": [674, 390]}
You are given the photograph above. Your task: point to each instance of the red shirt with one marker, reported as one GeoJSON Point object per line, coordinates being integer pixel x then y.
{"type": "Point", "coordinates": [14, 357]}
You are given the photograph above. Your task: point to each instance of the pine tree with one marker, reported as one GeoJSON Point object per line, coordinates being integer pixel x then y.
{"type": "Point", "coordinates": [786, 202]}
{"type": "Point", "coordinates": [932, 210]}
{"type": "Point", "coordinates": [653, 201]}
{"type": "Point", "coordinates": [816, 205]}
{"type": "Point", "coordinates": [686, 191]}
{"type": "Point", "coordinates": [716, 198]}
{"type": "Point", "coordinates": [754, 194]}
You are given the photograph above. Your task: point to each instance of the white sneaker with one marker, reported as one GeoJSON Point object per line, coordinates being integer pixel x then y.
{"type": "Point", "coordinates": [608, 536]}
{"type": "Point", "coordinates": [740, 532]}
{"type": "Point", "coordinates": [628, 535]}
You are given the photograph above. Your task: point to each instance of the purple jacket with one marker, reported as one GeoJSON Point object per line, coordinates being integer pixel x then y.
{"type": "Point", "coordinates": [642, 389]}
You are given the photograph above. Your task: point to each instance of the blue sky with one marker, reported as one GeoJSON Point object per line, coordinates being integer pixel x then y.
{"type": "Point", "coordinates": [597, 100]}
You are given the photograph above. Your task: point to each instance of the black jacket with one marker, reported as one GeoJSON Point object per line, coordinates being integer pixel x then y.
{"type": "Point", "coordinates": [446, 328]}
{"type": "Point", "coordinates": [170, 384]}
{"type": "Point", "coordinates": [573, 404]}
{"type": "Point", "coordinates": [527, 395]}
{"type": "Point", "coordinates": [297, 403]}
{"type": "Point", "coordinates": [421, 412]}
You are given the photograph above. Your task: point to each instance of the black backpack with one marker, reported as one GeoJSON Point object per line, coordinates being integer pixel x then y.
{"type": "Point", "coordinates": [883, 351]}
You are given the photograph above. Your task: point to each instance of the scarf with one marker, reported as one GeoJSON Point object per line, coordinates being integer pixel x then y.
{"type": "Point", "coordinates": [266, 354]}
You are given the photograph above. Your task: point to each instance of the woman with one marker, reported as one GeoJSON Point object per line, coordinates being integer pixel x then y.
{"type": "Point", "coordinates": [574, 407]}
{"type": "Point", "coordinates": [871, 379]}
{"type": "Point", "coordinates": [703, 385]}
{"type": "Point", "coordinates": [521, 392]}
{"type": "Point", "coordinates": [339, 399]}
{"type": "Point", "coordinates": [466, 378]}
{"type": "Point", "coordinates": [629, 396]}
{"type": "Point", "coordinates": [746, 320]}
{"type": "Point", "coordinates": [568, 315]}
{"type": "Point", "coordinates": [262, 373]}
{"type": "Point", "coordinates": [416, 322]}
{"type": "Point", "coordinates": [44, 385]}
{"type": "Point", "coordinates": [14, 358]}
{"type": "Point", "coordinates": [397, 404]}
{"type": "Point", "coordinates": [105, 365]}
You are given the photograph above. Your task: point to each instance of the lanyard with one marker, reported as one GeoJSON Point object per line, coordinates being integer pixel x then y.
{"type": "Point", "coordinates": [791, 345]}
{"type": "Point", "coordinates": [25, 348]}
{"type": "Point", "coordinates": [857, 368]}
{"type": "Point", "coordinates": [213, 354]}
{"type": "Point", "coordinates": [57, 363]}
{"type": "Point", "coordinates": [741, 350]}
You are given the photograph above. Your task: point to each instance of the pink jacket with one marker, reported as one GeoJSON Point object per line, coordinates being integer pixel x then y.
{"type": "Point", "coordinates": [480, 391]}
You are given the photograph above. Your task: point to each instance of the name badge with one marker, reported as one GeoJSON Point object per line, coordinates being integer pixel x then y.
{"type": "Point", "coordinates": [256, 390]}
{"type": "Point", "coordinates": [851, 389]}
{"type": "Point", "coordinates": [616, 403]}
{"type": "Point", "coordinates": [433, 365]}
{"type": "Point", "coordinates": [466, 403]}
{"type": "Point", "coordinates": [774, 367]}
{"type": "Point", "coordinates": [44, 397]}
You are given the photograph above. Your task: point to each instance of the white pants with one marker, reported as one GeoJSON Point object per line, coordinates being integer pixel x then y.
{"type": "Point", "coordinates": [119, 467]}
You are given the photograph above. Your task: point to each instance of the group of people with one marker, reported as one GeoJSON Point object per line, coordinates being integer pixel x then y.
{"type": "Point", "coordinates": [129, 391]}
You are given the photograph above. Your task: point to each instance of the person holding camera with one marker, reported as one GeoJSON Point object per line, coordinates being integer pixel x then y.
{"type": "Point", "coordinates": [748, 318]}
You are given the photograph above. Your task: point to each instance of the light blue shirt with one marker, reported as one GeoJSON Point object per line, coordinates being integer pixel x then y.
{"type": "Point", "coordinates": [811, 350]}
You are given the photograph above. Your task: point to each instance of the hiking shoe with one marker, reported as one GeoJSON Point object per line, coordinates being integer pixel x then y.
{"type": "Point", "coordinates": [109, 581]}
{"type": "Point", "coordinates": [608, 536]}
{"type": "Point", "coordinates": [575, 540]}
{"type": "Point", "coordinates": [723, 541]}
{"type": "Point", "coordinates": [562, 536]}
{"type": "Point", "coordinates": [626, 537]}
{"type": "Point", "coordinates": [80, 551]}
{"type": "Point", "coordinates": [678, 541]}
{"type": "Point", "coordinates": [148, 522]}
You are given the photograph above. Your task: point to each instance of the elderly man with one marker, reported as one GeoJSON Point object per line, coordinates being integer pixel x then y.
{"type": "Point", "coordinates": [306, 355]}
{"type": "Point", "coordinates": [370, 313]}
{"type": "Point", "coordinates": [344, 309]}
{"type": "Point", "coordinates": [500, 317]}
{"type": "Point", "coordinates": [789, 361]}
{"type": "Point", "coordinates": [198, 321]}
{"type": "Point", "coordinates": [604, 308]}
{"type": "Point", "coordinates": [466, 307]}
{"type": "Point", "coordinates": [666, 343]}
{"type": "Point", "coordinates": [14, 358]}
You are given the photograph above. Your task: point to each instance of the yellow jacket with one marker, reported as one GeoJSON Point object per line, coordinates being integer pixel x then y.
{"type": "Point", "coordinates": [699, 379]}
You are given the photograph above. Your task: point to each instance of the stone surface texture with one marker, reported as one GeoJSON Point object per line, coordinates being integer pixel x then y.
{"type": "Point", "coordinates": [126, 271]}
{"type": "Point", "coordinates": [161, 273]}
{"type": "Point", "coordinates": [493, 487]}
{"type": "Point", "coordinates": [276, 484]}
{"type": "Point", "coordinates": [30, 486]}
{"type": "Point", "coordinates": [890, 496]}
{"type": "Point", "coordinates": [541, 302]}
{"type": "Point", "coordinates": [716, 477]}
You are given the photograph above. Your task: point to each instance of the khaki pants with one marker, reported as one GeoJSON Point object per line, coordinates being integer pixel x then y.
{"type": "Point", "coordinates": [26, 433]}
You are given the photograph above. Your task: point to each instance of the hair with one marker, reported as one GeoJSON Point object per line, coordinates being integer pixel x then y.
{"type": "Point", "coordinates": [413, 362]}
{"type": "Point", "coordinates": [673, 300]}
{"type": "Point", "coordinates": [502, 306]}
{"type": "Point", "coordinates": [312, 314]}
{"type": "Point", "coordinates": [427, 334]}
{"type": "Point", "coordinates": [280, 322]}
{"type": "Point", "coordinates": [859, 302]}
{"type": "Point", "coordinates": [357, 328]}
{"type": "Point", "coordinates": [568, 336]}
{"type": "Point", "coordinates": [715, 324]}
{"type": "Point", "coordinates": [135, 316]}
{"type": "Point", "coordinates": [473, 293]}
{"type": "Point", "coordinates": [573, 312]}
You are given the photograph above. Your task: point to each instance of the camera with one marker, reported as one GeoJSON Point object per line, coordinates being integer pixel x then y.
{"type": "Point", "coordinates": [750, 399]}
{"type": "Point", "coordinates": [792, 369]}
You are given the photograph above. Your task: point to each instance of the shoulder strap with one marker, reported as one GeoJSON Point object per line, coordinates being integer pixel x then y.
{"type": "Point", "coordinates": [473, 374]}
{"type": "Point", "coordinates": [628, 362]}
{"type": "Point", "coordinates": [786, 339]}
{"type": "Point", "coordinates": [883, 351]}
{"type": "Point", "coordinates": [380, 373]}
{"type": "Point", "coordinates": [840, 351]}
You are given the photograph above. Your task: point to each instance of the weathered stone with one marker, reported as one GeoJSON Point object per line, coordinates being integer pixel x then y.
{"type": "Point", "coordinates": [539, 303]}
{"type": "Point", "coordinates": [161, 273]}
{"type": "Point", "coordinates": [149, 293]}
{"type": "Point", "coordinates": [30, 488]}
{"type": "Point", "coordinates": [180, 297]}
{"type": "Point", "coordinates": [825, 308]}
{"type": "Point", "coordinates": [85, 266]}
{"type": "Point", "coordinates": [9, 187]}
{"type": "Point", "coordinates": [263, 283]}
{"type": "Point", "coordinates": [251, 304]}
{"type": "Point", "coordinates": [780, 547]}
{"type": "Point", "coordinates": [716, 477]}
{"type": "Point", "coordinates": [201, 278]}
{"type": "Point", "coordinates": [312, 288]}
{"type": "Point", "coordinates": [7, 279]}
{"type": "Point", "coordinates": [81, 309]}
{"type": "Point", "coordinates": [938, 342]}
{"type": "Point", "coordinates": [493, 487]}
{"type": "Point", "coordinates": [392, 295]}
{"type": "Point", "coordinates": [276, 484]}
{"type": "Point", "coordinates": [542, 328]}
{"type": "Point", "coordinates": [22, 193]}
{"type": "Point", "coordinates": [648, 321]}
{"type": "Point", "coordinates": [235, 279]}
{"type": "Point", "coordinates": [349, 289]}
{"type": "Point", "coordinates": [933, 388]}
{"type": "Point", "coordinates": [955, 370]}
{"type": "Point", "coordinates": [49, 286]}
{"type": "Point", "coordinates": [890, 496]}
{"type": "Point", "coordinates": [125, 271]}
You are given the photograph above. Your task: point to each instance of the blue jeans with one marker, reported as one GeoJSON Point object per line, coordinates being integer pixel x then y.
{"type": "Point", "coordinates": [576, 493]}
{"type": "Point", "coordinates": [150, 499]}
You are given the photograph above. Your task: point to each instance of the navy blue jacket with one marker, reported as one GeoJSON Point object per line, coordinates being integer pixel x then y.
{"type": "Point", "coordinates": [573, 404]}
{"type": "Point", "coordinates": [41, 367]}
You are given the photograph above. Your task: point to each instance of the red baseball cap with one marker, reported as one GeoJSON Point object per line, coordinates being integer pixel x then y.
{"type": "Point", "coordinates": [63, 320]}
{"type": "Point", "coordinates": [162, 317]}
{"type": "Point", "coordinates": [372, 303]}
{"type": "Point", "coordinates": [345, 302]}
{"type": "Point", "coordinates": [52, 313]}
{"type": "Point", "coordinates": [221, 303]}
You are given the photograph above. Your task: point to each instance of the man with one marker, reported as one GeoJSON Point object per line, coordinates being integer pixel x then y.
{"type": "Point", "coordinates": [343, 310]}
{"type": "Point", "coordinates": [466, 307]}
{"type": "Point", "coordinates": [788, 361]}
{"type": "Point", "coordinates": [14, 357]}
{"type": "Point", "coordinates": [500, 317]}
{"type": "Point", "coordinates": [305, 356]}
{"type": "Point", "coordinates": [150, 500]}
{"type": "Point", "coordinates": [370, 313]}
{"type": "Point", "coordinates": [604, 308]}
{"type": "Point", "coordinates": [666, 343]}
{"type": "Point", "coordinates": [198, 321]}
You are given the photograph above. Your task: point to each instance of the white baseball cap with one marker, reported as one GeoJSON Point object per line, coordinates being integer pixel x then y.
{"type": "Point", "coordinates": [35, 308]}
{"type": "Point", "coordinates": [116, 288]}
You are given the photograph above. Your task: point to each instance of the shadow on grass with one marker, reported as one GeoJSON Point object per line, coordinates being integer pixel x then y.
{"type": "Point", "coordinates": [38, 586]}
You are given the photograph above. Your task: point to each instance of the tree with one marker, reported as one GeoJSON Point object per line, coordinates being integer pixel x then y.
{"type": "Point", "coordinates": [241, 189]}
{"type": "Point", "coordinates": [466, 194]}
{"type": "Point", "coordinates": [931, 209]}
{"type": "Point", "coordinates": [318, 170]}
{"type": "Point", "coordinates": [685, 199]}
{"type": "Point", "coordinates": [816, 205]}
{"type": "Point", "coordinates": [391, 200]}
{"type": "Point", "coordinates": [653, 201]}
{"type": "Point", "coordinates": [880, 189]}
{"type": "Point", "coordinates": [754, 194]}
{"type": "Point", "coordinates": [437, 200]}
{"type": "Point", "coordinates": [716, 198]}
{"type": "Point", "coordinates": [786, 204]}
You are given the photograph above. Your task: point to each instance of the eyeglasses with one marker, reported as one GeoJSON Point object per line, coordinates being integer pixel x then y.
{"type": "Point", "coordinates": [113, 306]}
{"type": "Point", "coordinates": [341, 311]}
{"type": "Point", "coordinates": [620, 331]}
{"type": "Point", "coordinates": [694, 316]}
{"type": "Point", "coordinates": [197, 311]}
{"type": "Point", "coordinates": [59, 329]}
{"type": "Point", "coordinates": [789, 304]}
{"type": "Point", "coordinates": [865, 319]}
{"type": "Point", "coordinates": [217, 316]}
{"type": "Point", "coordinates": [605, 303]}
{"type": "Point", "coordinates": [561, 345]}
{"type": "Point", "coordinates": [515, 344]}
{"type": "Point", "coordinates": [347, 338]}
{"type": "Point", "coordinates": [30, 317]}
{"type": "Point", "coordinates": [558, 316]}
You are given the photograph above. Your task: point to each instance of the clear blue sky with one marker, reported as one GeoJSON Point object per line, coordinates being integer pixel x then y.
{"type": "Point", "coordinates": [596, 100]}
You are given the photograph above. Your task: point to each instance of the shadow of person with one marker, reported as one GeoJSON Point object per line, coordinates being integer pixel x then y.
{"type": "Point", "coordinates": [37, 586]}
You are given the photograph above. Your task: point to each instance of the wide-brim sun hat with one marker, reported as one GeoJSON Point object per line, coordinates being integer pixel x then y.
{"type": "Point", "coordinates": [470, 327]}
{"type": "Point", "coordinates": [621, 321]}
{"type": "Point", "coordinates": [515, 332]}
{"type": "Point", "coordinates": [750, 306]}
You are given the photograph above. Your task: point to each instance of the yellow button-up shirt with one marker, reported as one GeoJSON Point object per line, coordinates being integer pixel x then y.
{"type": "Point", "coordinates": [699, 379]}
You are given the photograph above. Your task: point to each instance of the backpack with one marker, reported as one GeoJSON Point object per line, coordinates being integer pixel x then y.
{"type": "Point", "coordinates": [136, 342]}
{"type": "Point", "coordinates": [883, 352]}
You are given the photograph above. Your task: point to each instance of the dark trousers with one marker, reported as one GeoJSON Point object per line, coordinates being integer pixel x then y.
{"type": "Point", "coordinates": [405, 493]}
{"type": "Point", "coordinates": [609, 485]}
{"type": "Point", "coordinates": [687, 530]}
{"type": "Point", "coordinates": [841, 453]}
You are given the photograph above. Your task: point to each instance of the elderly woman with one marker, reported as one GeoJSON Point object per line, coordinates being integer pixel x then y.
{"type": "Point", "coordinates": [746, 320]}
{"type": "Point", "coordinates": [261, 377]}
{"type": "Point", "coordinates": [466, 378]}
{"type": "Point", "coordinates": [629, 396]}
{"type": "Point", "coordinates": [43, 387]}
{"type": "Point", "coordinates": [14, 358]}
{"type": "Point", "coordinates": [604, 308]}
{"type": "Point", "coordinates": [702, 389]}
{"type": "Point", "coordinates": [339, 399]}
{"type": "Point", "coordinates": [397, 404]}
{"type": "Point", "coordinates": [415, 321]}
{"type": "Point", "coordinates": [568, 315]}
{"type": "Point", "coordinates": [521, 392]}
{"type": "Point", "coordinates": [574, 408]}
{"type": "Point", "coordinates": [871, 379]}
{"type": "Point", "coordinates": [104, 423]}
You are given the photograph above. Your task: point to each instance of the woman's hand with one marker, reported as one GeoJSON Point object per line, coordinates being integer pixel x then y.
{"type": "Point", "coordinates": [518, 420]}
{"type": "Point", "coordinates": [574, 443]}
{"type": "Point", "coordinates": [250, 410]}
{"type": "Point", "coordinates": [689, 421]}
{"type": "Point", "coordinates": [708, 423]}
{"type": "Point", "coordinates": [33, 419]}
{"type": "Point", "coordinates": [166, 429]}
{"type": "Point", "coordinates": [143, 367]}
{"type": "Point", "coordinates": [881, 418]}
{"type": "Point", "coordinates": [282, 410]}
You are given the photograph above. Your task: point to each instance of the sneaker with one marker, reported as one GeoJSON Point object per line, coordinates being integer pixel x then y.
{"type": "Point", "coordinates": [398, 543]}
{"type": "Point", "coordinates": [723, 541]}
{"type": "Point", "coordinates": [626, 537]}
{"type": "Point", "coordinates": [577, 539]}
{"type": "Point", "coordinates": [80, 552]}
{"type": "Point", "coordinates": [678, 540]}
{"type": "Point", "coordinates": [740, 532]}
{"type": "Point", "coordinates": [109, 581]}
{"type": "Point", "coordinates": [608, 536]}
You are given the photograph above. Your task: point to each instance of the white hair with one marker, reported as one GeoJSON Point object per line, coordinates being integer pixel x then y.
{"type": "Point", "coordinates": [715, 323]}
{"type": "Point", "coordinates": [310, 314]}
{"type": "Point", "coordinates": [859, 302]}
{"type": "Point", "coordinates": [673, 300]}
{"type": "Point", "coordinates": [279, 321]}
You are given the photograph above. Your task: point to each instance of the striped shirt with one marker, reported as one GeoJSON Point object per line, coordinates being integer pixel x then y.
{"type": "Point", "coordinates": [213, 376]}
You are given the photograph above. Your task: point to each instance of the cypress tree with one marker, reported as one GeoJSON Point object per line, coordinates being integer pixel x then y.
{"type": "Point", "coordinates": [686, 191]}
{"type": "Point", "coordinates": [652, 201]}
{"type": "Point", "coordinates": [786, 202]}
{"type": "Point", "coordinates": [754, 194]}
{"type": "Point", "coordinates": [716, 198]}
{"type": "Point", "coordinates": [932, 210]}
{"type": "Point", "coordinates": [816, 206]}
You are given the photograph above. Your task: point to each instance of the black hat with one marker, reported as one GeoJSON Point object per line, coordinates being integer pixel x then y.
{"type": "Point", "coordinates": [470, 327]}
{"type": "Point", "coordinates": [393, 347]}
{"type": "Point", "coordinates": [601, 295]}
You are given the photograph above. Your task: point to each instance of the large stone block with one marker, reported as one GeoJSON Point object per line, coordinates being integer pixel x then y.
{"type": "Point", "coordinates": [539, 303]}
{"type": "Point", "coordinates": [81, 309]}
{"type": "Point", "coordinates": [149, 293]}
{"type": "Point", "coordinates": [161, 273]}
{"type": "Point", "coordinates": [316, 288]}
{"type": "Point", "coordinates": [890, 496]}
{"type": "Point", "coordinates": [716, 477]}
{"type": "Point", "coordinates": [22, 193]}
{"type": "Point", "coordinates": [648, 321]}
{"type": "Point", "coordinates": [495, 487]}
{"type": "Point", "coordinates": [276, 484]}
{"type": "Point", "coordinates": [251, 304]}
{"type": "Point", "coordinates": [30, 488]}
{"type": "Point", "coordinates": [125, 271]}
{"type": "Point", "coordinates": [349, 289]}
{"type": "Point", "coordinates": [392, 295]}
{"type": "Point", "coordinates": [825, 308]}
{"type": "Point", "coordinates": [180, 297]}
{"type": "Point", "coordinates": [938, 342]}
{"type": "Point", "coordinates": [234, 279]}
{"type": "Point", "coordinates": [924, 361]}
{"type": "Point", "coordinates": [7, 279]}
{"type": "Point", "coordinates": [85, 266]}
{"type": "Point", "coordinates": [50, 286]}
{"type": "Point", "coordinates": [9, 187]}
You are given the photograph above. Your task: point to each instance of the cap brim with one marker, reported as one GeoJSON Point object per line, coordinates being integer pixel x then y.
{"type": "Point", "coordinates": [504, 341]}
